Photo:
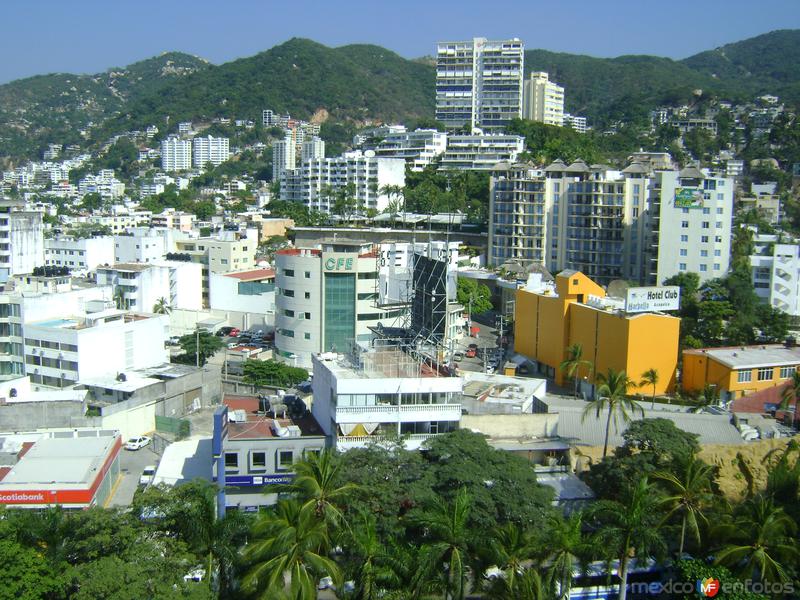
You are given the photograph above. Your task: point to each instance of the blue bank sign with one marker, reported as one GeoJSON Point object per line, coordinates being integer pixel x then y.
{"type": "Point", "coordinates": [257, 480]}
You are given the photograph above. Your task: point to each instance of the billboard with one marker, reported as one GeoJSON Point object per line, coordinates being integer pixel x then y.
{"type": "Point", "coordinates": [429, 303]}
{"type": "Point", "coordinates": [652, 299]}
{"type": "Point", "coordinates": [688, 198]}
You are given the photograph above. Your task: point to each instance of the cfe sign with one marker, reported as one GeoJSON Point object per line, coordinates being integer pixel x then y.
{"type": "Point", "coordinates": [652, 299]}
{"type": "Point", "coordinates": [339, 263]}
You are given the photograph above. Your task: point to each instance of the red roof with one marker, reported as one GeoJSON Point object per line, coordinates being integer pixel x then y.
{"type": "Point", "coordinates": [255, 274]}
{"type": "Point", "coordinates": [757, 401]}
{"type": "Point", "coordinates": [4, 471]}
{"type": "Point", "coordinates": [25, 447]}
{"type": "Point", "coordinates": [246, 403]}
{"type": "Point", "coordinates": [298, 251]}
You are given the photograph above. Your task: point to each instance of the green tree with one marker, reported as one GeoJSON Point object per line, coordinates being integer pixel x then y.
{"type": "Point", "coordinates": [26, 574]}
{"type": "Point", "coordinates": [612, 388]}
{"type": "Point", "coordinates": [511, 548]}
{"type": "Point", "coordinates": [566, 550]}
{"type": "Point", "coordinates": [476, 297]}
{"type": "Point", "coordinates": [269, 373]}
{"type": "Point", "coordinates": [199, 346]}
{"type": "Point", "coordinates": [629, 529]}
{"type": "Point", "coordinates": [688, 496]}
{"type": "Point", "coordinates": [162, 307]}
{"type": "Point", "coordinates": [650, 377]}
{"type": "Point", "coordinates": [572, 365]}
{"type": "Point", "coordinates": [659, 438]}
{"type": "Point", "coordinates": [288, 544]}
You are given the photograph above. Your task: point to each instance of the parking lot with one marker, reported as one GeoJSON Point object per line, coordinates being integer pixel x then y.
{"type": "Point", "coordinates": [131, 465]}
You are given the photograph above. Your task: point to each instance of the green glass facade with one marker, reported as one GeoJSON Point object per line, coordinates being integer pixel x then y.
{"type": "Point", "coordinates": [340, 311]}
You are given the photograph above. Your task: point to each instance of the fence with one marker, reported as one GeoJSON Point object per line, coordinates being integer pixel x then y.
{"type": "Point", "coordinates": [178, 427]}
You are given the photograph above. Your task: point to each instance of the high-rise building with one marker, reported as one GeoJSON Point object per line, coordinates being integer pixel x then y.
{"type": "Point", "coordinates": [479, 83]}
{"type": "Point", "coordinates": [543, 100]}
{"type": "Point", "coordinates": [418, 147]}
{"type": "Point", "coordinates": [312, 149]}
{"type": "Point", "coordinates": [176, 154]}
{"type": "Point", "coordinates": [284, 156]}
{"type": "Point", "coordinates": [208, 149]}
{"type": "Point", "coordinates": [21, 239]}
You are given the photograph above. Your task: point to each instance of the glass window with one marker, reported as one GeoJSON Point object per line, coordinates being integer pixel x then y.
{"type": "Point", "coordinates": [765, 374]}
{"type": "Point", "coordinates": [684, 251]}
{"type": "Point", "coordinates": [307, 336]}
{"type": "Point", "coordinates": [703, 268]}
{"type": "Point", "coordinates": [288, 272]}
{"type": "Point", "coordinates": [284, 460]}
{"type": "Point", "coordinates": [685, 224]}
{"type": "Point", "coordinates": [231, 461]}
{"type": "Point", "coordinates": [703, 239]}
{"type": "Point", "coordinates": [682, 267]}
{"type": "Point", "coordinates": [684, 238]}
{"type": "Point", "coordinates": [787, 372]}
{"type": "Point", "coordinates": [706, 224]}
{"type": "Point", "coordinates": [258, 461]}
{"type": "Point", "coordinates": [744, 376]}
{"type": "Point", "coordinates": [307, 295]}
{"type": "Point", "coordinates": [340, 306]}
{"type": "Point", "coordinates": [307, 274]}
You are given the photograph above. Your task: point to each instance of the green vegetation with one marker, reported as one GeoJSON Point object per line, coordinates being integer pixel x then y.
{"type": "Point", "coordinates": [612, 390]}
{"type": "Point", "coordinates": [432, 191]}
{"type": "Point", "coordinates": [264, 373]}
{"type": "Point", "coordinates": [474, 296]}
{"type": "Point", "coordinates": [198, 347]}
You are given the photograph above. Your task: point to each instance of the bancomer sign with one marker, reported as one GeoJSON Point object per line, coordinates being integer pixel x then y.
{"type": "Point", "coordinates": [652, 299]}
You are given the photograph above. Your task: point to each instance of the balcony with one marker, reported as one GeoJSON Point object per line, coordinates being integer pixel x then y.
{"type": "Point", "coordinates": [393, 413]}
{"type": "Point", "coordinates": [411, 442]}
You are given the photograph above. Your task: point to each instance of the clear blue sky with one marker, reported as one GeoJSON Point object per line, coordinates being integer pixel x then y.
{"type": "Point", "coordinates": [89, 36]}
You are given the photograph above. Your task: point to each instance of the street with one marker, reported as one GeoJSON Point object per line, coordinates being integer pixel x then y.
{"type": "Point", "coordinates": [131, 465]}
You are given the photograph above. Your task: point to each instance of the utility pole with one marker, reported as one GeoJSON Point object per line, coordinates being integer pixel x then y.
{"type": "Point", "coordinates": [197, 348]}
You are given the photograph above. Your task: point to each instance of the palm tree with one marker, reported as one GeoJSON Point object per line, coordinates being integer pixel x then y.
{"type": "Point", "coordinates": [650, 377]}
{"type": "Point", "coordinates": [292, 544]}
{"type": "Point", "coordinates": [528, 585]}
{"type": "Point", "coordinates": [446, 546]}
{"type": "Point", "coordinates": [629, 529]}
{"type": "Point", "coordinates": [611, 395]}
{"type": "Point", "coordinates": [760, 541]}
{"type": "Point", "coordinates": [566, 550]}
{"type": "Point", "coordinates": [708, 397]}
{"type": "Point", "coordinates": [510, 548]}
{"type": "Point", "coordinates": [572, 365]}
{"type": "Point", "coordinates": [316, 486]}
{"type": "Point", "coordinates": [689, 494]}
{"type": "Point", "coordinates": [791, 395]}
{"type": "Point", "coordinates": [162, 307]}
{"type": "Point", "coordinates": [373, 572]}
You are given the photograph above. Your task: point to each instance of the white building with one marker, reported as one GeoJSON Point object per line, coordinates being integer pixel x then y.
{"type": "Point", "coordinates": [543, 100]}
{"type": "Point", "coordinates": [173, 219]}
{"type": "Point", "coordinates": [145, 248]}
{"type": "Point", "coordinates": [208, 149]}
{"type": "Point", "coordinates": [368, 174]}
{"type": "Point", "coordinates": [479, 83]}
{"type": "Point", "coordinates": [481, 152]}
{"type": "Point", "coordinates": [694, 226]}
{"type": "Point", "coordinates": [577, 123]}
{"type": "Point", "coordinates": [312, 149]}
{"type": "Point", "coordinates": [284, 156]}
{"type": "Point", "coordinates": [140, 286]}
{"type": "Point", "coordinates": [418, 148]}
{"type": "Point", "coordinates": [776, 273]}
{"type": "Point", "coordinates": [385, 393]}
{"type": "Point", "coordinates": [85, 254]}
{"type": "Point", "coordinates": [21, 239]}
{"type": "Point", "coordinates": [246, 298]}
{"type": "Point", "coordinates": [176, 154]}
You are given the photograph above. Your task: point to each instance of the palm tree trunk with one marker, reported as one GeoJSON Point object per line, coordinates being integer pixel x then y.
{"type": "Point", "coordinates": [653, 402]}
{"type": "Point", "coordinates": [683, 535]}
{"type": "Point", "coordinates": [608, 427]}
{"type": "Point", "coordinates": [623, 576]}
{"type": "Point", "coordinates": [576, 385]}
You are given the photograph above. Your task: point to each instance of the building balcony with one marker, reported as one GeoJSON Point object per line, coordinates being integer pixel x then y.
{"type": "Point", "coordinates": [411, 442]}
{"type": "Point", "coordinates": [392, 413]}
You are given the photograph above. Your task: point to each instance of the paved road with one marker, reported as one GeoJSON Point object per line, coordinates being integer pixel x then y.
{"type": "Point", "coordinates": [131, 465]}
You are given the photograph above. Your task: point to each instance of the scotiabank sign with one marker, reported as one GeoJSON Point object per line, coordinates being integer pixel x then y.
{"type": "Point", "coordinates": [47, 496]}
{"type": "Point", "coordinates": [27, 497]}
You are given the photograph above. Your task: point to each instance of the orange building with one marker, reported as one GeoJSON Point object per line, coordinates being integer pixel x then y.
{"type": "Point", "coordinates": [549, 320]}
{"type": "Point", "coordinates": [739, 371]}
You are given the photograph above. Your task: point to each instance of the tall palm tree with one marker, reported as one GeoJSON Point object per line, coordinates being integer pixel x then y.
{"type": "Point", "coordinates": [162, 307]}
{"type": "Point", "coordinates": [373, 572]}
{"type": "Point", "coordinates": [791, 395]}
{"type": "Point", "coordinates": [316, 486]}
{"type": "Point", "coordinates": [567, 549]}
{"type": "Point", "coordinates": [760, 541]}
{"type": "Point", "coordinates": [510, 549]}
{"type": "Point", "coordinates": [612, 388]}
{"type": "Point", "coordinates": [650, 377]}
{"type": "Point", "coordinates": [445, 548]}
{"type": "Point", "coordinates": [688, 495]}
{"type": "Point", "coordinates": [571, 366]}
{"type": "Point", "coordinates": [629, 529]}
{"type": "Point", "coordinates": [528, 585]}
{"type": "Point", "coordinates": [289, 549]}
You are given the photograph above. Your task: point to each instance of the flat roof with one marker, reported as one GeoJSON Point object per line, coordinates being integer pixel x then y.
{"type": "Point", "coordinates": [185, 461]}
{"type": "Point", "coordinates": [55, 461]}
{"type": "Point", "coordinates": [258, 425]}
{"type": "Point", "coordinates": [132, 382]}
{"type": "Point", "coordinates": [252, 275]}
{"type": "Point", "coordinates": [137, 267]}
{"type": "Point", "coordinates": [752, 357]}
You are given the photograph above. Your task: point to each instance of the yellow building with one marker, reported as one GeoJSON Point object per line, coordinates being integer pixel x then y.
{"type": "Point", "coordinates": [739, 371]}
{"type": "Point", "coordinates": [549, 320]}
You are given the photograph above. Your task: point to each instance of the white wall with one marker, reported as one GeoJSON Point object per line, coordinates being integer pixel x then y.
{"type": "Point", "coordinates": [224, 296]}
{"type": "Point", "coordinates": [133, 249]}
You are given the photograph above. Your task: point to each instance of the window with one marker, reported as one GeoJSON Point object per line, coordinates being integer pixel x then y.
{"type": "Point", "coordinates": [288, 313]}
{"type": "Point", "coordinates": [307, 274]}
{"type": "Point", "coordinates": [703, 268]}
{"type": "Point", "coordinates": [307, 295]}
{"type": "Point", "coordinates": [765, 374]}
{"type": "Point", "coordinates": [685, 211]}
{"type": "Point", "coordinates": [716, 266]}
{"type": "Point", "coordinates": [682, 267]}
{"type": "Point", "coordinates": [684, 252]}
{"type": "Point", "coordinates": [684, 238]}
{"type": "Point", "coordinates": [288, 293]}
{"type": "Point", "coordinates": [706, 210]}
{"type": "Point", "coordinates": [704, 239]}
{"type": "Point", "coordinates": [231, 461]}
{"type": "Point", "coordinates": [685, 224]}
{"type": "Point", "coordinates": [288, 272]}
{"type": "Point", "coordinates": [284, 460]}
{"type": "Point", "coordinates": [787, 372]}
{"type": "Point", "coordinates": [719, 225]}
{"type": "Point", "coordinates": [703, 253]}
{"type": "Point", "coordinates": [717, 252]}
{"type": "Point", "coordinates": [718, 239]}
{"type": "Point", "coordinates": [720, 210]}
{"type": "Point", "coordinates": [307, 316]}
{"type": "Point", "coordinates": [258, 461]}
{"type": "Point", "coordinates": [286, 332]}
{"type": "Point", "coordinates": [706, 225]}
{"type": "Point", "coordinates": [306, 336]}
{"type": "Point", "coordinates": [744, 376]}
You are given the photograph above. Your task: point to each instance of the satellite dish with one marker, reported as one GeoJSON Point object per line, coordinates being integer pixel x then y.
{"type": "Point", "coordinates": [618, 288]}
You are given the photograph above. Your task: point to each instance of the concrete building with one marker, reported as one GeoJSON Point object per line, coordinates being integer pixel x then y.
{"type": "Point", "coordinates": [142, 286]}
{"type": "Point", "coordinates": [776, 274]}
{"type": "Point", "coordinates": [382, 393]}
{"type": "Point", "coordinates": [21, 239]}
{"type": "Point", "coordinates": [313, 149]}
{"type": "Point", "coordinates": [139, 248]}
{"type": "Point", "coordinates": [481, 152]}
{"type": "Point", "coordinates": [176, 154]}
{"type": "Point", "coordinates": [74, 469]}
{"type": "Point", "coordinates": [543, 100]}
{"type": "Point", "coordinates": [418, 148]}
{"type": "Point", "coordinates": [121, 223]}
{"type": "Point", "coordinates": [479, 83]}
{"type": "Point", "coordinates": [695, 216]}
{"type": "Point", "coordinates": [737, 372]}
{"type": "Point", "coordinates": [576, 122]}
{"type": "Point", "coordinates": [173, 219]}
{"type": "Point", "coordinates": [246, 298]}
{"type": "Point", "coordinates": [284, 157]}
{"type": "Point", "coordinates": [79, 254]}
{"type": "Point", "coordinates": [317, 181]}
{"type": "Point", "coordinates": [209, 149]}
{"type": "Point", "coordinates": [549, 319]}
{"type": "Point", "coordinates": [254, 449]}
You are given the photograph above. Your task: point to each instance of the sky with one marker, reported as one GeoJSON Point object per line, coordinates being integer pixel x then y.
{"type": "Point", "coordinates": [91, 36]}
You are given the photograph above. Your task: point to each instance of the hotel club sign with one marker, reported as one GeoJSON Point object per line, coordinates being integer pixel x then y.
{"type": "Point", "coordinates": [652, 299]}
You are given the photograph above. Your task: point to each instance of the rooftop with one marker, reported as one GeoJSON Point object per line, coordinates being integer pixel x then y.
{"type": "Point", "coordinates": [260, 425]}
{"type": "Point", "coordinates": [254, 275]}
{"type": "Point", "coordinates": [379, 363]}
{"type": "Point", "coordinates": [752, 357]}
{"type": "Point", "coordinates": [133, 267]}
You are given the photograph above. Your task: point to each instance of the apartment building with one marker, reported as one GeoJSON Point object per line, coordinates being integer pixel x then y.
{"type": "Point", "coordinates": [481, 152]}
{"type": "Point", "coordinates": [176, 154]}
{"type": "Point", "coordinates": [776, 273]}
{"type": "Point", "coordinates": [139, 248]}
{"type": "Point", "coordinates": [21, 239]}
{"type": "Point", "coordinates": [418, 148]}
{"type": "Point", "coordinates": [173, 219]}
{"type": "Point", "coordinates": [209, 149]}
{"type": "Point", "coordinates": [79, 254]}
{"type": "Point", "coordinates": [245, 298]}
{"type": "Point", "coordinates": [312, 149]}
{"type": "Point", "coordinates": [141, 286]}
{"type": "Point", "coordinates": [284, 157]}
{"type": "Point", "coordinates": [543, 100]}
{"type": "Point", "coordinates": [479, 83]}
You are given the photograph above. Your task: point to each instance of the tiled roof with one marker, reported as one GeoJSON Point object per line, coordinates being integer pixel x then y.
{"type": "Point", "coordinates": [253, 275]}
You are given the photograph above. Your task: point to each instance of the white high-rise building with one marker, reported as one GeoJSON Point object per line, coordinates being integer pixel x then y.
{"type": "Point", "coordinates": [776, 273]}
{"type": "Point", "coordinates": [479, 83]}
{"type": "Point", "coordinates": [208, 149]}
{"type": "Point", "coordinates": [284, 156]}
{"type": "Point", "coordinates": [312, 149]}
{"type": "Point", "coordinates": [21, 239]}
{"type": "Point", "coordinates": [543, 100]}
{"type": "Point", "coordinates": [176, 154]}
{"type": "Point", "coordinates": [418, 148]}
{"type": "Point", "coordinates": [481, 152]}
{"type": "Point", "coordinates": [79, 254]}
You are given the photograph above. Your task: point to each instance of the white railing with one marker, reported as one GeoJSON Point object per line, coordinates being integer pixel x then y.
{"type": "Point", "coordinates": [383, 413]}
{"type": "Point", "coordinates": [412, 441]}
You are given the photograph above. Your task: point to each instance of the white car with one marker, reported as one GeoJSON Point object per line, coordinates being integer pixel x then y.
{"type": "Point", "coordinates": [136, 443]}
{"type": "Point", "coordinates": [146, 478]}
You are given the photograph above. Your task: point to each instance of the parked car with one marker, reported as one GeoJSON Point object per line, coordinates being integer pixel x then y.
{"type": "Point", "coordinates": [146, 478]}
{"type": "Point", "coordinates": [457, 356]}
{"type": "Point", "coordinates": [234, 344]}
{"type": "Point", "coordinates": [234, 332]}
{"type": "Point", "coordinates": [475, 346]}
{"type": "Point", "coordinates": [471, 352]}
{"type": "Point", "coordinates": [224, 331]}
{"type": "Point", "coordinates": [522, 370]}
{"type": "Point", "coordinates": [137, 443]}
{"type": "Point", "coordinates": [175, 340]}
